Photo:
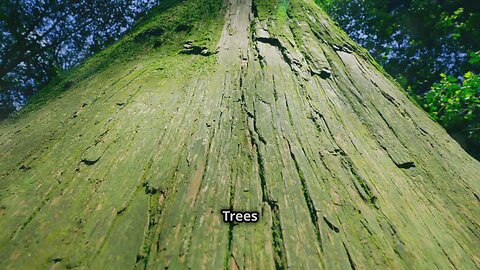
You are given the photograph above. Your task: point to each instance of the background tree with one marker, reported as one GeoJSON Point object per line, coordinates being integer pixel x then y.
{"type": "Point", "coordinates": [39, 38]}
{"type": "Point", "coordinates": [455, 103]}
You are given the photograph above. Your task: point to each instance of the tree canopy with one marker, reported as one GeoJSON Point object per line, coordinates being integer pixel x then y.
{"type": "Point", "coordinates": [39, 38]}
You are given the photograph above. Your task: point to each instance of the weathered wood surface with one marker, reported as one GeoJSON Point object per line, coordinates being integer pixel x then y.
{"type": "Point", "coordinates": [130, 168]}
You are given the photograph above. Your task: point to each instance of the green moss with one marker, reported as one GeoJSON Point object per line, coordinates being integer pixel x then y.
{"type": "Point", "coordinates": [160, 35]}
{"type": "Point", "coordinates": [271, 9]}
{"type": "Point", "coordinates": [282, 9]}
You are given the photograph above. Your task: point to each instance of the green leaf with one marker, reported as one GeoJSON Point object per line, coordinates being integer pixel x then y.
{"type": "Point", "coordinates": [468, 75]}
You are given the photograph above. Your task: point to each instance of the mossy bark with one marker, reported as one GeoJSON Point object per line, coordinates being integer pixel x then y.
{"type": "Point", "coordinates": [131, 166]}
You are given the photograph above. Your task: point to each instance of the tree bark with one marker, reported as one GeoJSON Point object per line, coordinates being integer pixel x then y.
{"type": "Point", "coordinates": [132, 166]}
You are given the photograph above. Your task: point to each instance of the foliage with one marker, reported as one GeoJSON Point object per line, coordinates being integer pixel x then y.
{"type": "Point", "coordinates": [40, 38]}
{"type": "Point", "coordinates": [456, 105]}
{"type": "Point", "coordinates": [416, 40]}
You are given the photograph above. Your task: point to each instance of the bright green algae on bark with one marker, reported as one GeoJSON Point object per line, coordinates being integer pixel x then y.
{"type": "Point", "coordinates": [126, 161]}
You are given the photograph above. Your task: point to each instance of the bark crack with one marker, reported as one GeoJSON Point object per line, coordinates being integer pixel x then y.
{"type": "Point", "coordinates": [256, 138]}
{"type": "Point", "coordinates": [307, 197]}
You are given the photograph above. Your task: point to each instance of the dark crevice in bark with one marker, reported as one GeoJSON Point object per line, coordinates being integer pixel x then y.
{"type": "Point", "coordinates": [324, 73]}
{"type": "Point", "coordinates": [307, 197]}
{"type": "Point", "coordinates": [278, 242]}
{"type": "Point", "coordinates": [314, 116]}
{"type": "Point", "coordinates": [256, 138]}
{"type": "Point", "coordinates": [258, 97]}
{"type": "Point", "coordinates": [121, 211]}
{"type": "Point", "coordinates": [32, 215]}
{"type": "Point", "coordinates": [261, 166]}
{"type": "Point", "coordinates": [252, 39]}
{"type": "Point", "coordinates": [394, 132]}
{"type": "Point", "coordinates": [90, 162]}
{"type": "Point", "coordinates": [154, 213]}
{"type": "Point", "coordinates": [290, 116]}
{"type": "Point", "coordinates": [386, 95]}
{"type": "Point", "coordinates": [402, 165]}
{"type": "Point", "coordinates": [196, 50]}
{"type": "Point", "coordinates": [275, 92]}
{"type": "Point", "coordinates": [350, 259]}
{"type": "Point", "coordinates": [254, 9]}
{"type": "Point", "coordinates": [231, 201]}
{"type": "Point", "coordinates": [114, 223]}
{"type": "Point", "coordinates": [330, 225]}
{"type": "Point", "coordinates": [360, 184]}
{"type": "Point", "coordinates": [449, 260]}
{"type": "Point", "coordinates": [277, 233]}
{"type": "Point", "coordinates": [363, 222]}
{"type": "Point", "coordinates": [156, 199]}
{"type": "Point", "coordinates": [98, 140]}
{"type": "Point", "coordinates": [406, 165]}
{"type": "Point", "coordinates": [275, 42]}
{"type": "Point", "coordinates": [272, 41]}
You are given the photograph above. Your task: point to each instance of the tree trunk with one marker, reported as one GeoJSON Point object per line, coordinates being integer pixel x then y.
{"type": "Point", "coordinates": [131, 166]}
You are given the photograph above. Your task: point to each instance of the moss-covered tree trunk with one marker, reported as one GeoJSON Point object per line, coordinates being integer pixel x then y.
{"type": "Point", "coordinates": [267, 106]}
